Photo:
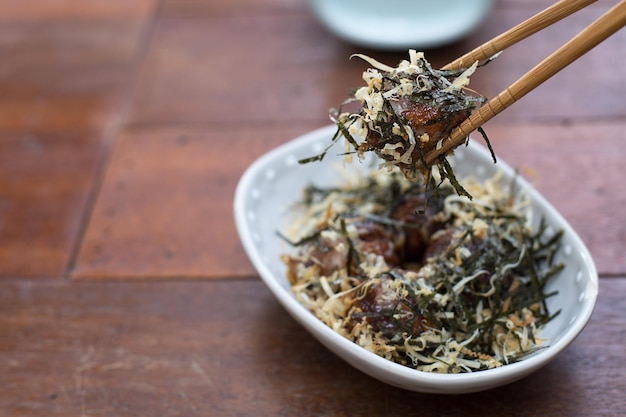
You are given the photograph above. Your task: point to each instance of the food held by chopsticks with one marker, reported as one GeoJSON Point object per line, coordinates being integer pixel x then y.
{"type": "Point", "coordinates": [406, 112]}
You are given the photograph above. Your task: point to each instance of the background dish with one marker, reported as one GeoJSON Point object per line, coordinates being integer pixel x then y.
{"type": "Point", "coordinates": [400, 24]}
{"type": "Point", "coordinates": [274, 182]}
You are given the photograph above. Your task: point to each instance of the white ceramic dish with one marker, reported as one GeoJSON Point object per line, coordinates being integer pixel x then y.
{"type": "Point", "coordinates": [401, 24]}
{"type": "Point", "coordinates": [275, 181]}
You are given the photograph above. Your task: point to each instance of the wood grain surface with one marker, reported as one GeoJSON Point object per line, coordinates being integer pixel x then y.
{"type": "Point", "coordinates": [224, 348]}
{"type": "Point", "coordinates": [124, 129]}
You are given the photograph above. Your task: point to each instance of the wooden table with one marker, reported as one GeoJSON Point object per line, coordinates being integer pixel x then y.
{"type": "Point", "coordinates": [124, 128]}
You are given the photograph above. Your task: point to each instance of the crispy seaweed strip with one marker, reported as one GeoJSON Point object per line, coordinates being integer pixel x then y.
{"type": "Point", "coordinates": [301, 241]}
{"type": "Point", "coordinates": [321, 156]}
{"type": "Point", "coordinates": [446, 171]}
{"type": "Point", "coordinates": [352, 255]}
{"type": "Point", "coordinates": [488, 142]}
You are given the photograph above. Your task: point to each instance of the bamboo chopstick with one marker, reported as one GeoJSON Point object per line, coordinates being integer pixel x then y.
{"type": "Point", "coordinates": [534, 24]}
{"type": "Point", "coordinates": [607, 24]}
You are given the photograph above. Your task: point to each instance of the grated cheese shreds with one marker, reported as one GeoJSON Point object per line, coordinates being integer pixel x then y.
{"type": "Point", "coordinates": [446, 284]}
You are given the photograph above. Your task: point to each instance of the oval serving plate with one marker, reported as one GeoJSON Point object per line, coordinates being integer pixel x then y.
{"type": "Point", "coordinates": [275, 181]}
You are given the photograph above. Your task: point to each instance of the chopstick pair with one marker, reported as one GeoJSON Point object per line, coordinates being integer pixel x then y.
{"type": "Point", "coordinates": [609, 23]}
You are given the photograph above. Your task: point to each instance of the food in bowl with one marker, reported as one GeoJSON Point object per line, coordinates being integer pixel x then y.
{"type": "Point", "coordinates": [437, 282]}
{"type": "Point", "coordinates": [266, 190]}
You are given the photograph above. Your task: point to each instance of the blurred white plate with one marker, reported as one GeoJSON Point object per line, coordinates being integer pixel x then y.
{"type": "Point", "coordinates": [401, 24]}
{"type": "Point", "coordinates": [275, 181]}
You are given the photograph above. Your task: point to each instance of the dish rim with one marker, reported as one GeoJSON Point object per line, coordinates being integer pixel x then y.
{"type": "Point", "coordinates": [374, 365]}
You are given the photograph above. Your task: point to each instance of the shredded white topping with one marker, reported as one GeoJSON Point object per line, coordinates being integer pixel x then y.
{"type": "Point", "coordinates": [467, 302]}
